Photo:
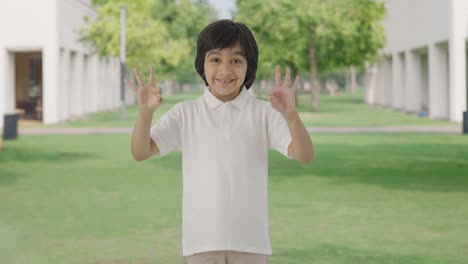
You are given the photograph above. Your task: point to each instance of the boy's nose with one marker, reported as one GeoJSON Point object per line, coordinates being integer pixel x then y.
{"type": "Point", "coordinates": [225, 68]}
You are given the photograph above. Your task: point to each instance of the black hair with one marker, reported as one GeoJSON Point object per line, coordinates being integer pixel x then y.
{"type": "Point", "coordinates": [223, 34]}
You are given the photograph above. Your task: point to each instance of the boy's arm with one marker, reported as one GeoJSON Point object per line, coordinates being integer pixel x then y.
{"type": "Point", "coordinates": [283, 100]}
{"type": "Point", "coordinates": [142, 145]}
{"type": "Point", "coordinates": [301, 147]}
{"type": "Point", "coordinates": [149, 99]}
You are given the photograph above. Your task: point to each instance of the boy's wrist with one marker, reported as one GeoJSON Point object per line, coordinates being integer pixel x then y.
{"type": "Point", "coordinates": [290, 116]}
{"type": "Point", "coordinates": [145, 113]}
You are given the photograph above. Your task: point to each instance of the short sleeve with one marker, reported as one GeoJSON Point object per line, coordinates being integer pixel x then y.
{"type": "Point", "coordinates": [279, 136]}
{"type": "Point", "coordinates": [166, 132]}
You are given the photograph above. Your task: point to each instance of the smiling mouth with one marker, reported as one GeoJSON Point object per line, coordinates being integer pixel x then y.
{"type": "Point", "coordinates": [224, 81]}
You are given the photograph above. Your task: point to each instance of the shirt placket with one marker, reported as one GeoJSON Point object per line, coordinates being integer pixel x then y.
{"type": "Point", "coordinates": [226, 122]}
{"type": "Point", "coordinates": [227, 138]}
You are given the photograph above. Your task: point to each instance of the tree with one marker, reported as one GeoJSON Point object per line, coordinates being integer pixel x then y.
{"type": "Point", "coordinates": [159, 32]}
{"type": "Point", "coordinates": [185, 20]}
{"type": "Point", "coordinates": [318, 36]}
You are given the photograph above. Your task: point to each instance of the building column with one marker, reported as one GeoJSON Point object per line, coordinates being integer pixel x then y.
{"type": "Point", "coordinates": [78, 72]}
{"type": "Point", "coordinates": [93, 82]}
{"type": "Point", "coordinates": [3, 82]}
{"type": "Point", "coordinates": [116, 81]}
{"type": "Point", "coordinates": [398, 81]}
{"type": "Point", "coordinates": [107, 84]}
{"type": "Point", "coordinates": [388, 82]}
{"type": "Point", "coordinates": [7, 83]}
{"type": "Point", "coordinates": [73, 87]}
{"type": "Point", "coordinates": [412, 85]}
{"type": "Point", "coordinates": [64, 108]}
{"type": "Point", "coordinates": [424, 81]}
{"type": "Point", "coordinates": [86, 95]}
{"type": "Point", "coordinates": [438, 82]}
{"type": "Point", "coordinates": [51, 101]}
{"type": "Point", "coordinates": [457, 62]}
{"type": "Point", "coordinates": [101, 89]}
{"type": "Point", "coordinates": [380, 82]}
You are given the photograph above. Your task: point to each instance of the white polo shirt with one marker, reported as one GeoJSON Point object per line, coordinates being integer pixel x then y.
{"type": "Point", "coordinates": [225, 166]}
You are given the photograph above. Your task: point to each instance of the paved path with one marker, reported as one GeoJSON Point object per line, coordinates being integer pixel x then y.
{"type": "Point", "coordinates": [125, 130]}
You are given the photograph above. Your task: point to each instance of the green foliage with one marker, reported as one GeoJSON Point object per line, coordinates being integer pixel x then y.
{"type": "Point", "coordinates": [159, 32]}
{"type": "Point", "coordinates": [184, 21]}
{"type": "Point", "coordinates": [344, 32]}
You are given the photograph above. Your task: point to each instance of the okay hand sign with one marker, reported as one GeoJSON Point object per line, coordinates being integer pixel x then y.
{"type": "Point", "coordinates": [149, 96]}
{"type": "Point", "coordinates": [283, 98]}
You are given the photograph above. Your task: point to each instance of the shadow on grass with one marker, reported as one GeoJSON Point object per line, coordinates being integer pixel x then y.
{"type": "Point", "coordinates": [334, 254]}
{"type": "Point", "coordinates": [34, 155]}
{"type": "Point", "coordinates": [18, 156]}
{"type": "Point", "coordinates": [9, 176]}
{"type": "Point", "coordinates": [420, 167]}
{"type": "Point", "coordinates": [326, 109]}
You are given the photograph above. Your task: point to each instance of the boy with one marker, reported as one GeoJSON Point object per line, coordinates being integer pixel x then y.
{"type": "Point", "coordinates": [224, 137]}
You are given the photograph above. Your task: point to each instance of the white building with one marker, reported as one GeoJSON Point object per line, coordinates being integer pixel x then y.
{"type": "Point", "coordinates": [45, 72]}
{"type": "Point", "coordinates": [423, 67]}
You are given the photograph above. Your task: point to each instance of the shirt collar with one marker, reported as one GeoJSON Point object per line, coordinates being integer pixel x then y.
{"type": "Point", "coordinates": [214, 102]}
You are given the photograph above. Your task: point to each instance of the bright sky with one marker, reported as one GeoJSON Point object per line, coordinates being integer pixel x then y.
{"type": "Point", "coordinates": [224, 7]}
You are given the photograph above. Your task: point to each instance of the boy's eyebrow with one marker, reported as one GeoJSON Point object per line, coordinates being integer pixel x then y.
{"type": "Point", "coordinates": [238, 53]}
{"type": "Point", "coordinates": [216, 52]}
{"type": "Point", "coordinates": [213, 52]}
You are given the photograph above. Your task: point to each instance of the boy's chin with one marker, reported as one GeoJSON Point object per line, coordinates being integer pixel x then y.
{"type": "Point", "coordinates": [226, 90]}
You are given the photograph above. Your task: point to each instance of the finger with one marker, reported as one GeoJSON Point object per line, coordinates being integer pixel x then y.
{"type": "Point", "coordinates": [297, 81]}
{"type": "Point", "coordinates": [151, 81]}
{"type": "Point", "coordinates": [138, 77]}
{"type": "Point", "coordinates": [277, 93]}
{"type": "Point", "coordinates": [159, 98]}
{"type": "Point", "coordinates": [278, 76]}
{"type": "Point", "coordinates": [273, 92]}
{"type": "Point", "coordinates": [287, 78]}
{"type": "Point", "coordinates": [157, 90]}
{"type": "Point", "coordinates": [273, 99]}
{"type": "Point", "coordinates": [131, 85]}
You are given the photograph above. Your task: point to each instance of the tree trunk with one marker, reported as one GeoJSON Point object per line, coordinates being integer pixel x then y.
{"type": "Point", "coordinates": [348, 81]}
{"type": "Point", "coordinates": [370, 82]}
{"type": "Point", "coordinates": [314, 87]}
{"type": "Point", "coordinates": [293, 78]}
{"type": "Point", "coordinates": [353, 80]}
{"type": "Point", "coordinates": [169, 87]}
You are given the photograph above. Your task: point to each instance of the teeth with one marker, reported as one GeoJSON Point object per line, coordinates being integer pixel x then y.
{"type": "Point", "coordinates": [223, 81]}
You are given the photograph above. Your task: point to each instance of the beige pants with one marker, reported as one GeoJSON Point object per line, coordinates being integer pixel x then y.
{"type": "Point", "coordinates": [227, 257]}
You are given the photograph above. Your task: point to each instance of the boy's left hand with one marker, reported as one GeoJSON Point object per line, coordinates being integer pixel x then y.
{"type": "Point", "coordinates": [283, 98]}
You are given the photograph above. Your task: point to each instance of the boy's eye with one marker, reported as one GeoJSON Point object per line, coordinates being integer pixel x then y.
{"type": "Point", "coordinates": [237, 61]}
{"type": "Point", "coordinates": [214, 60]}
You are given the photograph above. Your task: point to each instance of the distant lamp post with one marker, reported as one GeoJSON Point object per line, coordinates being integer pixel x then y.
{"type": "Point", "coordinates": [123, 12]}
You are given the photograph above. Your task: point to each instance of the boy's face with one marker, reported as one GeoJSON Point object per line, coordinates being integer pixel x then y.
{"type": "Point", "coordinates": [225, 71]}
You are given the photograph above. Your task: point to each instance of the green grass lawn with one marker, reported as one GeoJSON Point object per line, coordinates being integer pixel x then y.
{"type": "Point", "coordinates": [349, 110]}
{"type": "Point", "coordinates": [366, 198]}
{"type": "Point", "coordinates": [343, 110]}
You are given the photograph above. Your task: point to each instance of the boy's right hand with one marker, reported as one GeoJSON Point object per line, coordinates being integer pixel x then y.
{"type": "Point", "coordinates": [149, 96]}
